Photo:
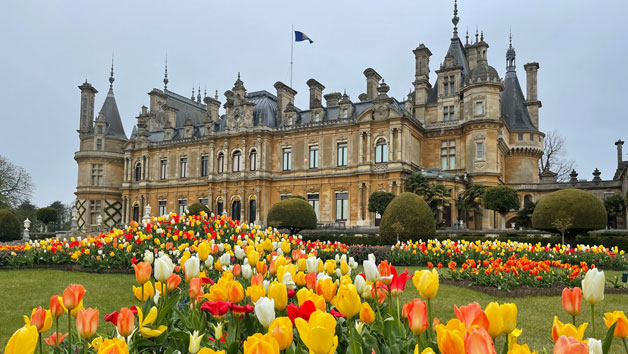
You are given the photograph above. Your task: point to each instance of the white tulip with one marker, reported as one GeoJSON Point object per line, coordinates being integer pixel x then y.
{"type": "Point", "coordinates": [221, 247]}
{"type": "Point", "coordinates": [247, 271]}
{"type": "Point", "coordinates": [370, 270]}
{"type": "Point", "coordinates": [192, 267]}
{"type": "Point", "coordinates": [343, 257]}
{"type": "Point", "coordinates": [337, 257]}
{"type": "Point", "coordinates": [209, 262]}
{"type": "Point", "coordinates": [148, 257]}
{"type": "Point", "coordinates": [195, 342]}
{"type": "Point", "coordinates": [372, 258]}
{"type": "Point", "coordinates": [287, 279]}
{"type": "Point", "coordinates": [163, 268]}
{"type": "Point", "coordinates": [595, 346]}
{"type": "Point", "coordinates": [593, 286]}
{"type": "Point", "coordinates": [225, 259]}
{"type": "Point", "coordinates": [265, 311]}
{"type": "Point", "coordinates": [266, 285]}
{"type": "Point", "coordinates": [156, 297]}
{"type": "Point", "coordinates": [360, 283]}
{"type": "Point", "coordinates": [312, 264]}
{"type": "Point", "coordinates": [239, 252]}
{"type": "Point", "coordinates": [322, 276]}
{"type": "Point", "coordinates": [352, 263]}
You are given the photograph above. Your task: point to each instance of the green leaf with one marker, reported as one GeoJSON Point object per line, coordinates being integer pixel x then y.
{"type": "Point", "coordinates": [606, 344]}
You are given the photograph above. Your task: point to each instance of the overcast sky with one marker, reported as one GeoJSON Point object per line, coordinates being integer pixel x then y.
{"type": "Point", "coordinates": [51, 47]}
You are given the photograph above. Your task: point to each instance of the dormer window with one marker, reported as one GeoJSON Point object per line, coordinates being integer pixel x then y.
{"type": "Point", "coordinates": [98, 144]}
{"type": "Point", "coordinates": [520, 137]}
{"type": "Point", "coordinates": [479, 108]}
{"type": "Point", "coordinates": [448, 113]}
{"type": "Point", "coordinates": [317, 116]}
{"type": "Point", "coordinates": [449, 85]}
{"type": "Point", "coordinates": [345, 113]}
{"type": "Point", "coordinates": [99, 129]}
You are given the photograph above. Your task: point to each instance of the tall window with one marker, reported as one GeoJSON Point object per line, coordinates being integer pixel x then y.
{"type": "Point", "coordinates": [236, 209]}
{"type": "Point", "coordinates": [164, 168]}
{"type": "Point", "coordinates": [448, 154]}
{"type": "Point", "coordinates": [342, 206]}
{"type": "Point", "coordinates": [253, 160]}
{"type": "Point", "coordinates": [313, 199]}
{"type": "Point", "coordinates": [479, 108]}
{"type": "Point", "coordinates": [221, 163]}
{"type": "Point", "coordinates": [342, 154]}
{"type": "Point", "coordinates": [314, 156]}
{"type": "Point", "coordinates": [531, 137]}
{"type": "Point", "coordinates": [204, 165]}
{"type": "Point", "coordinates": [98, 144]}
{"type": "Point", "coordinates": [448, 113]}
{"type": "Point", "coordinates": [183, 204]}
{"type": "Point", "coordinates": [138, 172]}
{"type": "Point", "coordinates": [345, 113]}
{"type": "Point", "coordinates": [184, 167]}
{"type": "Point", "coordinates": [97, 174]}
{"type": "Point", "coordinates": [479, 151]}
{"type": "Point", "coordinates": [235, 167]}
{"type": "Point", "coordinates": [449, 85]}
{"type": "Point", "coordinates": [381, 151]}
{"type": "Point", "coordinates": [162, 207]}
{"type": "Point", "coordinates": [220, 207]}
{"type": "Point", "coordinates": [287, 159]}
{"type": "Point", "coordinates": [520, 136]}
{"type": "Point", "coordinates": [317, 116]}
{"type": "Point", "coordinates": [94, 210]}
{"type": "Point", "coordinates": [252, 210]}
{"type": "Point", "coordinates": [99, 129]}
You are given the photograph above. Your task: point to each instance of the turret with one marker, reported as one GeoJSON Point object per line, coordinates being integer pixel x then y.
{"type": "Point", "coordinates": [88, 94]}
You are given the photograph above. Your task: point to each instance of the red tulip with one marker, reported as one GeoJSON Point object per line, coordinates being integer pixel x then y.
{"type": "Point", "coordinates": [398, 284]}
{"type": "Point", "coordinates": [304, 311]}
{"type": "Point", "coordinates": [571, 300]}
{"type": "Point", "coordinates": [239, 311]}
{"type": "Point", "coordinates": [54, 340]}
{"type": "Point", "coordinates": [217, 308]}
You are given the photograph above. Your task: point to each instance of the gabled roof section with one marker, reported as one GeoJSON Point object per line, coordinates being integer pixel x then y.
{"type": "Point", "coordinates": [514, 111]}
{"type": "Point", "coordinates": [111, 114]}
{"type": "Point", "coordinates": [186, 108]}
{"type": "Point", "coordinates": [456, 51]}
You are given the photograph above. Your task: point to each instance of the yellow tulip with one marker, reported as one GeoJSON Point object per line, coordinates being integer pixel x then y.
{"type": "Point", "coordinates": [23, 341]}
{"type": "Point", "coordinates": [210, 351]}
{"type": "Point", "coordinates": [319, 334]}
{"type": "Point", "coordinates": [299, 278]}
{"type": "Point", "coordinates": [203, 251]}
{"type": "Point", "coordinates": [521, 349]}
{"type": "Point", "coordinates": [330, 267]}
{"type": "Point", "coordinates": [255, 292]}
{"type": "Point", "coordinates": [426, 282]}
{"type": "Point", "coordinates": [450, 337]}
{"type": "Point", "coordinates": [285, 247]}
{"type": "Point", "coordinates": [425, 351]}
{"type": "Point", "coordinates": [110, 346]}
{"type": "Point", "coordinates": [495, 319]}
{"type": "Point", "coordinates": [149, 291]}
{"type": "Point", "coordinates": [509, 317]}
{"type": "Point", "coordinates": [567, 329]}
{"type": "Point", "coordinates": [348, 301]}
{"type": "Point", "coordinates": [281, 330]}
{"type": "Point", "coordinates": [278, 292]}
{"type": "Point", "coordinates": [302, 264]}
{"type": "Point", "coordinates": [367, 315]}
{"type": "Point", "coordinates": [621, 330]}
{"type": "Point", "coordinates": [259, 343]}
{"type": "Point", "coordinates": [149, 320]}
{"type": "Point", "coordinates": [327, 288]}
{"type": "Point", "coordinates": [195, 342]}
{"type": "Point", "coordinates": [344, 267]}
{"type": "Point", "coordinates": [253, 257]}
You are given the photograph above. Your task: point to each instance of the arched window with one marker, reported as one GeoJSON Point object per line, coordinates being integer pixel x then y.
{"type": "Point", "coordinates": [136, 212]}
{"type": "Point", "coordinates": [220, 206]}
{"type": "Point", "coordinates": [253, 160]}
{"type": "Point", "coordinates": [138, 172]}
{"type": "Point", "coordinates": [235, 166]}
{"type": "Point", "coordinates": [236, 208]}
{"type": "Point", "coordinates": [252, 210]}
{"type": "Point", "coordinates": [221, 163]}
{"type": "Point", "coordinates": [381, 151]}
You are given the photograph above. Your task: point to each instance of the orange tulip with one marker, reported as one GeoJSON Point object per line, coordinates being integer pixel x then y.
{"type": "Point", "coordinates": [570, 345]}
{"type": "Point", "coordinates": [56, 306]}
{"type": "Point", "coordinates": [450, 337]}
{"type": "Point", "coordinates": [310, 280]}
{"type": "Point", "coordinates": [126, 322]}
{"type": "Point", "coordinates": [571, 300]}
{"type": "Point", "coordinates": [257, 279]}
{"type": "Point", "coordinates": [621, 330]}
{"type": "Point", "coordinates": [261, 267]}
{"type": "Point", "coordinates": [54, 340]}
{"type": "Point", "coordinates": [196, 288]}
{"type": "Point", "coordinates": [479, 341]}
{"type": "Point", "coordinates": [236, 292]}
{"type": "Point", "coordinates": [173, 282]}
{"type": "Point", "coordinates": [386, 271]}
{"type": "Point", "coordinates": [72, 296]}
{"type": "Point", "coordinates": [367, 315]}
{"type": "Point", "coordinates": [417, 316]}
{"type": "Point", "coordinates": [143, 271]}
{"type": "Point", "coordinates": [237, 270]}
{"type": "Point", "coordinates": [87, 322]}
{"type": "Point", "coordinates": [327, 288]}
{"type": "Point", "coordinates": [40, 318]}
{"type": "Point", "coordinates": [472, 315]}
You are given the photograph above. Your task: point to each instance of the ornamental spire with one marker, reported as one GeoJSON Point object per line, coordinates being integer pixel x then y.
{"type": "Point", "coordinates": [166, 74]}
{"type": "Point", "coordinates": [111, 78]}
{"type": "Point", "coordinates": [455, 19]}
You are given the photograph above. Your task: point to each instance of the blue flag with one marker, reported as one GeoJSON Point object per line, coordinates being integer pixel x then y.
{"type": "Point", "coordinates": [300, 37]}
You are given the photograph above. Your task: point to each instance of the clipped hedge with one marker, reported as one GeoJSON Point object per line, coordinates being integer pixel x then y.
{"type": "Point", "coordinates": [586, 211]}
{"type": "Point", "coordinates": [294, 214]}
{"type": "Point", "coordinates": [9, 226]}
{"type": "Point", "coordinates": [409, 217]}
{"type": "Point", "coordinates": [196, 208]}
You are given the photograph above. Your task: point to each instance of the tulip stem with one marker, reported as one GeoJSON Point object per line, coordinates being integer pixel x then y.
{"type": "Point", "coordinates": [70, 329]}
{"type": "Point", "coordinates": [625, 345]}
{"type": "Point", "coordinates": [398, 314]}
{"type": "Point", "coordinates": [57, 328]}
{"type": "Point", "coordinates": [593, 319]}
{"type": "Point", "coordinates": [142, 300]}
{"type": "Point", "coordinates": [573, 319]}
{"type": "Point", "coordinates": [41, 347]}
{"type": "Point", "coordinates": [429, 318]}
{"type": "Point", "coordinates": [85, 347]}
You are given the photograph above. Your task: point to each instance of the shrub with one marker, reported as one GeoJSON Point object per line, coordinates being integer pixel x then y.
{"type": "Point", "coordinates": [409, 217]}
{"type": "Point", "coordinates": [9, 226]}
{"type": "Point", "coordinates": [196, 208]}
{"type": "Point", "coordinates": [294, 214]}
{"type": "Point", "coordinates": [585, 210]}
{"type": "Point", "coordinates": [502, 199]}
{"type": "Point", "coordinates": [379, 200]}
{"type": "Point", "coordinates": [47, 215]}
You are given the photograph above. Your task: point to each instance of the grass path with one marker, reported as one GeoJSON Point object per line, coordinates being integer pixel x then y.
{"type": "Point", "coordinates": [22, 290]}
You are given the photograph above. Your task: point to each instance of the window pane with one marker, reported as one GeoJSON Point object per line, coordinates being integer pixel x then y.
{"type": "Point", "coordinates": [452, 143]}
{"type": "Point", "coordinates": [452, 162]}
{"type": "Point", "coordinates": [444, 162]}
{"type": "Point", "coordinates": [385, 153]}
{"type": "Point", "coordinates": [443, 143]}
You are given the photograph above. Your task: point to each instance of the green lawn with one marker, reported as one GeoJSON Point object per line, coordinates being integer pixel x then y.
{"type": "Point", "coordinates": [22, 290]}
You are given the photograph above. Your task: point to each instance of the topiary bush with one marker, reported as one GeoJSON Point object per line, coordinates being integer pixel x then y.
{"type": "Point", "coordinates": [294, 214]}
{"type": "Point", "coordinates": [196, 208]}
{"type": "Point", "coordinates": [9, 226]}
{"type": "Point", "coordinates": [409, 217]}
{"type": "Point", "coordinates": [584, 209]}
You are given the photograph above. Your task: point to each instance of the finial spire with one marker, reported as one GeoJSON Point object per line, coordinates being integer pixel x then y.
{"type": "Point", "coordinates": [111, 78]}
{"type": "Point", "coordinates": [467, 36]}
{"type": "Point", "coordinates": [205, 92]}
{"type": "Point", "coordinates": [510, 38]}
{"type": "Point", "coordinates": [166, 74]}
{"type": "Point", "coordinates": [198, 95]}
{"type": "Point", "coordinates": [238, 75]}
{"type": "Point", "coordinates": [216, 95]}
{"type": "Point", "coordinates": [482, 36]}
{"type": "Point", "coordinates": [192, 98]}
{"type": "Point", "coordinates": [476, 33]}
{"type": "Point", "coordinates": [455, 19]}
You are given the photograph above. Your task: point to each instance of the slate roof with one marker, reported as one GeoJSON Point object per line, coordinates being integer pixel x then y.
{"type": "Point", "coordinates": [186, 108]}
{"type": "Point", "coordinates": [514, 111]}
{"type": "Point", "coordinates": [457, 52]}
{"type": "Point", "coordinates": [111, 114]}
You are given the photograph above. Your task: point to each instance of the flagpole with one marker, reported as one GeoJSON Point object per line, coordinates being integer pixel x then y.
{"type": "Point", "coordinates": [291, 53]}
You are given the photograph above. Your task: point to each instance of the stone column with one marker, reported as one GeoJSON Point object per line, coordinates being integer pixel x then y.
{"type": "Point", "coordinates": [399, 143]}
{"type": "Point", "coordinates": [368, 146]}
{"type": "Point", "coordinates": [391, 150]}
{"type": "Point", "coordinates": [360, 202]}
{"type": "Point", "coordinates": [368, 194]}
{"type": "Point", "coordinates": [227, 157]}
{"type": "Point", "coordinates": [245, 156]}
{"type": "Point", "coordinates": [258, 205]}
{"type": "Point", "coordinates": [243, 203]}
{"type": "Point", "coordinates": [361, 149]}
{"type": "Point", "coordinates": [260, 156]}
{"type": "Point", "coordinates": [212, 160]}
{"type": "Point", "coordinates": [126, 168]}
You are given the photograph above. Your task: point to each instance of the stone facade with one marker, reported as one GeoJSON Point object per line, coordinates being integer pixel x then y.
{"type": "Point", "coordinates": [468, 126]}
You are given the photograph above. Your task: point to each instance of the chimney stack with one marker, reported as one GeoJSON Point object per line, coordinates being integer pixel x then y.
{"type": "Point", "coordinates": [620, 144]}
{"type": "Point", "coordinates": [285, 95]}
{"type": "Point", "coordinates": [372, 81]}
{"type": "Point", "coordinates": [332, 99]}
{"type": "Point", "coordinates": [316, 93]}
{"type": "Point", "coordinates": [531, 70]}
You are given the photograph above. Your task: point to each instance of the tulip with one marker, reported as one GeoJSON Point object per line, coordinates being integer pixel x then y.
{"type": "Point", "coordinates": [370, 270]}
{"type": "Point", "coordinates": [23, 341]}
{"type": "Point", "coordinates": [398, 283]}
{"type": "Point", "coordinates": [192, 267]}
{"type": "Point", "coordinates": [148, 257]}
{"type": "Point", "coordinates": [261, 268]}
{"type": "Point", "coordinates": [595, 346]}
{"type": "Point", "coordinates": [593, 290]}
{"type": "Point", "coordinates": [143, 323]}
{"type": "Point", "coordinates": [367, 315]}
{"type": "Point", "coordinates": [571, 301]}
{"type": "Point", "coordinates": [348, 301]}
{"type": "Point", "coordinates": [302, 264]}
{"type": "Point", "coordinates": [173, 282]}
{"type": "Point", "coordinates": [40, 318]}
{"type": "Point", "coordinates": [311, 264]}
{"type": "Point", "coordinates": [196, 289]}
{"type": "Point", "coordinates": [111, 346]}
{"type": "Point", "coordinates": [144, 292]}
{"type": "Point", "coordinates": [56, 306]}
{"type": "Point", "coordinates": [281, 330]}
{"type": "Point", "coordinates": [417, 316]}
{"type": "Point", "coordinates": [570, 345]}
{"type": "Point", "coordinates": [479, 341]}
{"type": "Point", "coordinates": [143, 271]}
{"type": "Point", "coordinates": [55, 339]}
{"type": "Point", "coordinates": [278, 292]}
{"type": "Point", "coordinates": [218, 309]}
{"type": "Point", "coordinates": [310, 280]}
{"type": "Point", "coordinates": [567, 329]}
{"type": "Point", "coordinates": [327, 288]}
{"type": "Point", "coordinates": [425, 351]}
{"type": "Point", "coordinates": [495, 320]}
{"type": "Point", "coordinates": [203, 251]}
{"type": "Point", "coordinates": [471, 315]}
{"type": "Point", "coordinates": [253, 257]}
{"type": "Point", "coordinates": [247, 271]}
{"type": "Point", "coordinates": [265, 311]}
{"type": "Point", "coordinates": [73, 295]}
{"type": "Point", "coordinates": [450, 337]}
{"type": "Point", "coordinates": [163, 268]}
{"type": "Point", "coordinates": [521, 349]}
{"type": "Point", "coordinates": [195, 342]}
{"type": "Point", "coordinates": [210, 351]}
{"type": "Point", "coordinates": [426, 282]}
{"type": "Point", "coordinates": [255, 292]}
{"type": "Point", "coordinates": [125, 322]}
{"type": "Point", "coordinates": [236, 292]}
{"type": "Point", "coordinates": [259, 343]}
{"type": "Point", "coordinates": [621, 330]}
{"type": "Point", "coordinates": [318, 334]}
{"type": "Point", "coordinates": [387, 272]}
{"type": "Point", "coordinates": [509, 316]}
{"type": "Point", "coordinates": [87, 322]}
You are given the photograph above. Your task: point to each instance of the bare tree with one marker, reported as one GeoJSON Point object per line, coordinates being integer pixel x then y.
{"type": "Point", "coordinates": [15, 183]}
{"type": "Point", "coordinates": [555, 156]}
